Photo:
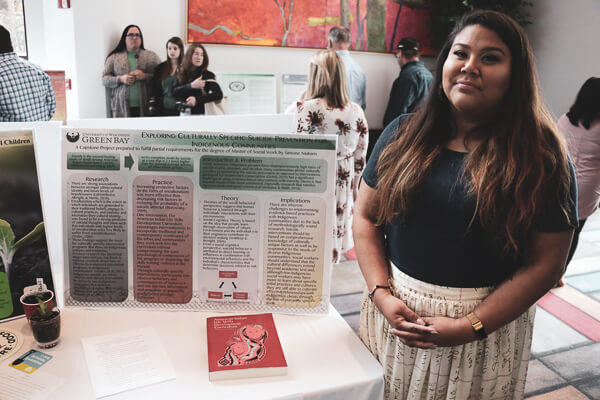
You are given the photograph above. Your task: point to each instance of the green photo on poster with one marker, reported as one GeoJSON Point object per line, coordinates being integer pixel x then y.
{"type": "Point", "coordinates": [24, 256]}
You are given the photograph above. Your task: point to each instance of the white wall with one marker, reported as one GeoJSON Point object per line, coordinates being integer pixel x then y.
{"type": "Point", "coordinates": [98, 26]}
{"type": "Point", "coordinates": [564, 36]}
{"type": "Point", "coordinates": [50, 43]}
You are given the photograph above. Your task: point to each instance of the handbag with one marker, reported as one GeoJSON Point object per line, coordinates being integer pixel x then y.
{"type": "Point", "coordinates": [218, 107]}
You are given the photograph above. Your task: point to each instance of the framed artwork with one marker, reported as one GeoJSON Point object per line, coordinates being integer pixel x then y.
{"type": "Point", "coordinates": [12, 17]}
{"type": "Point", "coordinates": [375, 25]}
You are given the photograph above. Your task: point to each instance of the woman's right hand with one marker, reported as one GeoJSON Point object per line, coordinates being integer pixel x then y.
{"type": "Point", "coordinates": [198, 83]}
{"type": "Point", "coordinates": [127, 79]}
{"type": "Point", "coordinates": [402, 319]}
{"type": "Point", "coordinates": [409, 327]}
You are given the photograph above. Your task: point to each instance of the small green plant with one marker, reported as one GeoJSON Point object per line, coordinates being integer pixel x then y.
{"type": "Point", "coordinates": [43, 313]}
{"type": "Point", "coordinates": [8, 247]}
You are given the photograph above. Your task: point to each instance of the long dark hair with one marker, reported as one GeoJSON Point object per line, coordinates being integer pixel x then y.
{"type": "Point", "coordinates": [166, 69]}
{"type": "Point", "coordinates": [586, 108]}
{"type": "Point", "coordinates": [188, 70]}
{"type": "Point", "coordinates": [121, 46]}
{"type": "Point", "coordinates": [518, 163]}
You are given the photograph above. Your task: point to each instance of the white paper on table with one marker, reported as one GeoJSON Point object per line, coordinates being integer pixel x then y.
{"type": "Point", "coordinates": [126, 361]}
{"type": "Point", "coordinates": [293, 396]}
{"type": "Point", "coordinates": [18, 385]}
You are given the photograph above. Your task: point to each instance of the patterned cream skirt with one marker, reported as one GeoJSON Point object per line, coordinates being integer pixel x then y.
{"type": "Point", "coordinates": [494, 368]}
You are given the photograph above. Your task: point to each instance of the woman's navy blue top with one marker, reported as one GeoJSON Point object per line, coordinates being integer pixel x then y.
{"type": "Point", "coordinates": [434, 242]}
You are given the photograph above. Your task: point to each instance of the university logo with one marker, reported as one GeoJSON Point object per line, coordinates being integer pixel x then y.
{"type": "Point", "coordinates": [72, 136]}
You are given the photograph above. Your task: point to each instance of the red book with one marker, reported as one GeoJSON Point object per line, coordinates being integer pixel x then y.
{"type": "Point", "coordinates": [243, 346]}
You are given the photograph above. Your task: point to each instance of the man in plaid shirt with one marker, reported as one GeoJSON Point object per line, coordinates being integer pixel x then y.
{"type": "Point", "coordinates": [25, 90]}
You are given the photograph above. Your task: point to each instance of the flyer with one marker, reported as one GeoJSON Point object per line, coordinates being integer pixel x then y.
{"type": "Point", "coordinates": [249, 93]}
{"type": "Point", "coordinates": [198, 220]}
{"type": "Point", "coordinates": [24, 259]}
{"type": "Point", "coordinates": [292, 87]}
{"type": "Point", "coordinates": [126, 361]}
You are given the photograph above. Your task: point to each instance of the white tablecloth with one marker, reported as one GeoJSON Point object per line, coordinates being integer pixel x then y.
{"type": "Point", "coordinates": [326, 360]}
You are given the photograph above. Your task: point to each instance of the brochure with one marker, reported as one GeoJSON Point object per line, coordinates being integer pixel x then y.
{"type": "Point", "coordinates": [126, 361]}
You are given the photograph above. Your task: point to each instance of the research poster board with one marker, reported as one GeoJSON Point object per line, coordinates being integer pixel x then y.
{"type": "Point", "coordinates": [198, 220]}
{"type": "Point", "coordinates": [249, 93]}
{"type": "Point", "coordinates": [24, 257]}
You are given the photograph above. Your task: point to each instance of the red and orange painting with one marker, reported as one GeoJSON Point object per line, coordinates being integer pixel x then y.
{"type": "Point", "coordinates": [375, 25]}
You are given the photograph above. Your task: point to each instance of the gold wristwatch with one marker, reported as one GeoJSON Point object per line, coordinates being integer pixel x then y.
{"type": "Point", "coordinates": [477, 325]}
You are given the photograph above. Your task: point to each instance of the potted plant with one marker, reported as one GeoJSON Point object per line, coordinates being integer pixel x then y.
{"type": "Point", "coordinates": [30, 301]}
{"type": "Point", "coordinates": [45, 323]}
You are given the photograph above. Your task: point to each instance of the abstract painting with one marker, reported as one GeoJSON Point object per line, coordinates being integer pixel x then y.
{"type": "Point", "coordinates": [375, 25]}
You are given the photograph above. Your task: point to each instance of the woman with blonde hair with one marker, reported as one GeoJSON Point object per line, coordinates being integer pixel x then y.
{"type": "Point", "coordinates": [197, 84]}
{"type": "Point", "coordinates": [326, 108]}
{"type": "Point", "coordinates": [464, 220]}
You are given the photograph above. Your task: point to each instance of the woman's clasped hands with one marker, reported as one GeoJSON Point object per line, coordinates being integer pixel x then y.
{"type": "Point", "coordinates": [422, 332]}
{"type": "Point", "coordinates": [130, 78]}
{"type": "Point", "coordinates": [127, 79]}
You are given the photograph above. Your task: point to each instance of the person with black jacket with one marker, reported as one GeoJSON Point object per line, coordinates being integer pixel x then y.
{"type": "Point", "coordinates": [197, 84]}
{"type": "Point", "coordinates": [411, 87]}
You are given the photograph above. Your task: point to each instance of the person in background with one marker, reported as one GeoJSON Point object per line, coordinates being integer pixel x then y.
{"type": "Point", "coordinates": [326, 108]}
{"type": "Point", "coordinates": [128, 73]}
{"type": "Point", "coordinates": [26, 92]}
{"type": "Point", "coordinates": [412, 85]}
{"type": "Point", "coordinates": [356, 80]}
{"type": "Point", "coordinates": [197, 85]}
{"type": "Point", "coordinates": [463, 221]}
{"type": "Point", "coordinates": [165, 79]}
{"type": "Point", "coordinates": [581, 128]}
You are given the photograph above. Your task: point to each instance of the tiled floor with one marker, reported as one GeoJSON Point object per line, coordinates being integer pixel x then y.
{"type": "Point", "coordinates": [565, 361]}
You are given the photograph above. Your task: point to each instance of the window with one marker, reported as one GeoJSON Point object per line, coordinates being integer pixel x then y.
{"type": "Point", "coordinates": [12, 17]}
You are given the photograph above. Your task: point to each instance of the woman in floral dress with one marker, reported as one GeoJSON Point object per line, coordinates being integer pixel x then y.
{"type": "Point", "coordinates": [326, 109]}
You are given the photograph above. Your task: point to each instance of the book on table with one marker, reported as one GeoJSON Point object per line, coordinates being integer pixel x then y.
{"type": "Point", "coordinates": [243, 346]}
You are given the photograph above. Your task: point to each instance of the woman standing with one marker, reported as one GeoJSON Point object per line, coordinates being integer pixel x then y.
{"type": "Point", "coordinates": [464, 220]}
{"type": "Point", "coordinates": [581, 128]}
{"type": "Point", "coordinates": [326, 108]}
{"type": "Point", "coordinates": [127, 71]}
{"type": "Point", "coordinates": [197, 84]}
{"type": "Point", "coordinates": [165, 79]}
